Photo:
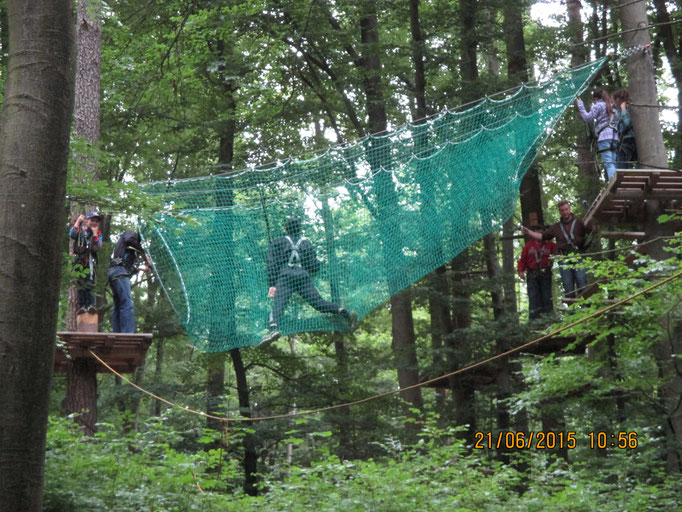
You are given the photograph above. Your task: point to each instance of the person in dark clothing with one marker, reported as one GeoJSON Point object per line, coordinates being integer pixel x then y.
{"type": "Point", "coordinates": [627, 147]}
{"type": "Point", "coordinates": [122, 266]}
{"type": "Point", "coordinates": [291, 262]}
{"type": "Point", "coordinates": [570, 233]}
{"type": "Point", "coordinates": [87, 242]}
{"type": "Point", "coordinates": [535, 266]}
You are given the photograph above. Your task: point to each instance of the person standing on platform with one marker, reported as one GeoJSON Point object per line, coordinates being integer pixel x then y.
{"type": "Point", "coordinates": [87, 242]}
{"type": "Point", "coordinates": [570, 234]}
{"type": "Point", "coordinates": [122, 266]}
{"type": "Point", "coordinates": [605, 119]}
{"type": "Point", "coordinates": [535, 266]}
{"type": "Point", "coordinates": [626, 155]}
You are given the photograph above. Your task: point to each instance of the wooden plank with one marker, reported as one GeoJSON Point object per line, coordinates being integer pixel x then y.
{"type": "Point", "coordinates": [86, 322]}
{"type": "Point", "coordinates": [623, 198]}
{"type": "Point", "coordinates": [624, 235]}
{"type": "Point", "coordinates": [670, 193]}
{"type": "Point", "coordinates": [124, 352]}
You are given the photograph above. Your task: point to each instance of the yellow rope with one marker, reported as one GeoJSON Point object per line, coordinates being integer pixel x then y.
{"type": "Point", "coordinates": [420, 384]}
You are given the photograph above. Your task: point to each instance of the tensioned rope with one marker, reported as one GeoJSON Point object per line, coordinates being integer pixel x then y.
{"type": "Point", "coordinates": [226, 420]}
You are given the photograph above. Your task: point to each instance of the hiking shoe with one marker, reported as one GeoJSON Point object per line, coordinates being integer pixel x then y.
{"type": "Point", "coordinates": [271, 336]}
{"type": "Point", "coordinates": [92, 310]}
{"type": "Point", "coordinates": [81, 311]}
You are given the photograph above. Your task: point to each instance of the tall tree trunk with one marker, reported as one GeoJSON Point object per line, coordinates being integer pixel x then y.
{"type": "Point", "coordinates": [530, 190]}
{"type": "Point", "coordinates": [215, 388]}
{"type": "Point", "coordinates": [81, 393]}
{"type": "Point", "coordinates": [250, 461]}
{"type": "Point", "coordinates": [401, 307]}
{"type": "Point", "coordinates": [673, 51]}
{"type": "Point", "coordinates": [81, 375]}
{"type": "Point", "coordinates": [158, 374]}
{"type": "Point", "coordinates": [439, 311]}
{"type": "Point", "coordinates": [503, 377]}
{"type": "Point", "coordinates": [418, 62]}
{"type": "Point", "coordinates": [517, 70]}
{"type": "Point", "coordinates": [86, 119]}
{"type": "Point", "coordinates": [34, 137]}
{"type": "Point", "coordinates": [586, 164]}
{"type": "Point", "coordinates": [651, 151]}
{"type": "Point", "coordinates": [468, 65]}
{"type": "Point", "coordinates": [341, 418]}
{"type": "Point", "coordinates": [457, 347]}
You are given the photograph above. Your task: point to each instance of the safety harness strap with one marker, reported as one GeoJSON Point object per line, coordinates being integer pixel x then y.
{"type": "Point", "coordinates": [295, 257]}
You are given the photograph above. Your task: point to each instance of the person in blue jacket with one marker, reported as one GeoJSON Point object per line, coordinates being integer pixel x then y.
{"type": "Point", "coordinates": [291, 263]}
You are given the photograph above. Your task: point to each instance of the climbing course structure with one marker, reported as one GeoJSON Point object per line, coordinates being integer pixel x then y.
{"type": "Point", "coordinates": [379, 213]}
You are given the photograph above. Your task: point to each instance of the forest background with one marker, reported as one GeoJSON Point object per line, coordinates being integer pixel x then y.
{"type": "Point", "coordinates": [190, 88]}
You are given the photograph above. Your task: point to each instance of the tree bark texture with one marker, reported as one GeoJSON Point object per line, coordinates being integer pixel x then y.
{"type": "Point", "coordinates": [215, 388]}
{"type": "Point", "coordinates": [81, 393]}
{"type": "Point", "coordinates": [34, 137]}
{"type": "Point", "coordinates": [673, 51]}
{"type": "Point", "coordinates": [88, 71]}
{"type": "Point", "coordinates": [457, 347]}
{"type": "Point", "coordinates": [401, 307]}
{"type": "Point", "coordinates": [468, 48]}
{"type": "Point", "coordinates": [250, 461]}
{"type": "Point", "coordinates": [652, 154]}
{"type": "Point", "coordinates": [86, 108]}
{"type": "Point", "coordinates": [586, 159]}
{"type": "Point", "coordinates": [418, 62]}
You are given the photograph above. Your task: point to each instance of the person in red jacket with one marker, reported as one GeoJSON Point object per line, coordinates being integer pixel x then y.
{"type": "Point", "coordinates": [535, 265]}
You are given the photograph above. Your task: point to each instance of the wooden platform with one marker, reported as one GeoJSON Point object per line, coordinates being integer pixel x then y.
{"type": "Point", "coordinates": [124, 352]}
{"type": "Point", "coordinates": [622, 201]}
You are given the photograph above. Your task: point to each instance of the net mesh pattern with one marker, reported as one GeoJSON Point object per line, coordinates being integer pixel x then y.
{"type": "Point", "coordinates": [378, 214]}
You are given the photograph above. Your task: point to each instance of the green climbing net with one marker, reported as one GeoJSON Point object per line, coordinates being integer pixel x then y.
{"type": "Point", "coordinates": [381, 213]}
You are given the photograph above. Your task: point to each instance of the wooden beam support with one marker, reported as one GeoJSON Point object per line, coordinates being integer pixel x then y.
{"type": "Point", "coordinates": [623, 198]}
{"type": "Point", "coordinates": [624, 235]}
{"type": "Point", "coordinates": [124, 352]}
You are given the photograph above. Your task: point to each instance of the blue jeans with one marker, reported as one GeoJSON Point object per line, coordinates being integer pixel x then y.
{"type": "Point", "coordinates": [123, 316]}
{"type": "Point", "coordinates": [574, 280]}
{"type": "Point", "coordinates": [608, 156]}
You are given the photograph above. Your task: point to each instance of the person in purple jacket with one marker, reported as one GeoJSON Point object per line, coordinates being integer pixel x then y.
{"type": "Point", "coordinates": [605, 127]}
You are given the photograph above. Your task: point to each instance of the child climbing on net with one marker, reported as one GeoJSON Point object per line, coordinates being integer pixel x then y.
{"type": "Point", "coordinates": [291, 262]}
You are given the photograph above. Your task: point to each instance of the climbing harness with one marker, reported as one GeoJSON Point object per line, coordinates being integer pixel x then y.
{"type": "Point", "coordinates": [295, 258]}
{"type": "Point", "coordinates": [570, 236]}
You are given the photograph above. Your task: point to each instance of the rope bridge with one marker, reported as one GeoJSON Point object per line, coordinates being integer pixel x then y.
{"type": "Point", "coordinates": [380, 214]}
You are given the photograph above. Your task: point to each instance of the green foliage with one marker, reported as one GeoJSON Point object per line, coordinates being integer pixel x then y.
{"type": "Point", "coordinates": [138, 472]}
{"type": "Point", "coordinates": [143, 472]}
{"type": "Point", "coordinates": [177, 78]}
